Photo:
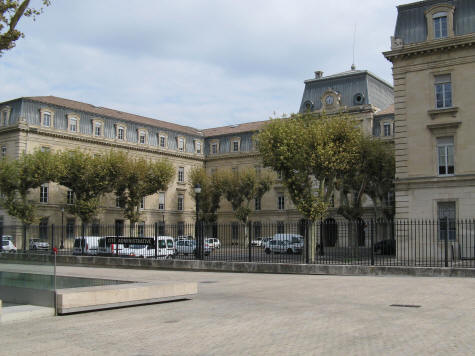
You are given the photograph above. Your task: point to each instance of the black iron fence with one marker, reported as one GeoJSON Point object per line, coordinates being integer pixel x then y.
{"type": "Point", "coordinates": [439, 243]}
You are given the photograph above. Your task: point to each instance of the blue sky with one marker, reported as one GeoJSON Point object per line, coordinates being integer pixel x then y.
{"type": "Point", "coordinates": [199, 63]}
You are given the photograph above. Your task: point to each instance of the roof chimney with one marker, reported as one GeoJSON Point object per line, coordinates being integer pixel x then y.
{"type": "Point", "coordinates": [318, 74]}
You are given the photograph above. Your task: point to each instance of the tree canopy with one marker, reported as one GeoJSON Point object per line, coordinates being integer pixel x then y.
{"type": "Point", "coordinates": [310, 152]}
{"type": "Point", "coordinates": [19, 177]}
{"type": "Point", "coordinates": [139, 178]}
{"type": "Point", "coordinates": [11, 11]}
{"type": "Point", "coordinates": [211, 193]}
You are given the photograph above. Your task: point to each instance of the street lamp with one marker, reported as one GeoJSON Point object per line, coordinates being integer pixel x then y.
{"type": "Point", "coordinates": [62, 228]}
{"type": "Point", "coordinates": [197, 226]}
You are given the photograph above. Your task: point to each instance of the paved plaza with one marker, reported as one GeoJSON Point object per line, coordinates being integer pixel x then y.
{"type": "Point", "coordinates": [264, 314]}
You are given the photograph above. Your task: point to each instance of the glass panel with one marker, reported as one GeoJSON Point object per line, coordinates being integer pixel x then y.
{"type": "Point", "coordinates": [442, 160]}
{"type": "Point", "coordinates": [443, 25]}
{"type": "Point", "coordinates": [450, 159]}
{"type": "Point", "coordinates": [437, 27]}
{"type": "Point", "coordinates": [439, 95]}
{"type": "Point", "coordinates": [448, 94]}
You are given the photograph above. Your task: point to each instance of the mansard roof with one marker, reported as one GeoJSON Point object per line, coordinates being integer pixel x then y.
{"type": "Point", "coordinates": [411, 25]}
{"type": "Point", "coordinates": [101, 111]}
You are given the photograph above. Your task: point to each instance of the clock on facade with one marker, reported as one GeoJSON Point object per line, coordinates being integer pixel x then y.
{"type": "Point", "coordinates": [329, 99]}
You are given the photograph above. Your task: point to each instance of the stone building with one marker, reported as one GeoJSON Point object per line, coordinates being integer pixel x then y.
{"type": "Point", "coordinates": [52, 123]}
{"type": "Point", "coordinates": [433, 57]}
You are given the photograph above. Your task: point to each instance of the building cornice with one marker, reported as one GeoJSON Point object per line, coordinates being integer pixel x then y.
{"type": "Point", "coordinates": [458, 180]}
{"type": "Point", "coordinates": [228, 156]}
{"type": "Point", "coordinates": [429, 47]}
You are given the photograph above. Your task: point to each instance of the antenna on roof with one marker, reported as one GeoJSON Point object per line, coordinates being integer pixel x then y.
{"type": "Point", "coordinates": [354, 41]}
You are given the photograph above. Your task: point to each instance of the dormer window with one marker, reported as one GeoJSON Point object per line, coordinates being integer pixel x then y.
{"type": "Point", "coordinates": [142, 137]}
{"type": "Point", "coordinates": [197, 146]}
{"type": "Point", "coordinates": [440, 25]}
{"type": "Point", "coordinates": [120, 133]}
{"type": "Point", "coordinates": [235, 146]}
{"type": "Point", "coordinates": [440, 21]}
{"type": "Point", "coordinates": [162, 140]}
{"type": "Point", "coordinates": [5, 116]}
{"type": "Point", "coordinates": [73, 124]}
{"type": "Point", "coordinates": [98, 129]}
{"type": "Point", "coordinates": [181, 144]}
{"type": "Point", "coordinates": [47, 119]}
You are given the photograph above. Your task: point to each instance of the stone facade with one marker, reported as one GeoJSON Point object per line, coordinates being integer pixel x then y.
{"type": "Point", "coordinates": [51, 123]}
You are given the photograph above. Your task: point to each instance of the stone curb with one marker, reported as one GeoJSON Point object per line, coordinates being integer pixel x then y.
{"type": "Point", "coordinates": [243, 267]}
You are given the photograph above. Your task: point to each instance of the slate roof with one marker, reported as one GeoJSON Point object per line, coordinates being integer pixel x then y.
{"type": "Point", "coordinates": [97, 110]}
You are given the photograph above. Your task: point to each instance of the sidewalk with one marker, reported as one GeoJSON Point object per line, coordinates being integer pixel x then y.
{"type": "Point", "coordinates": [265, 314]}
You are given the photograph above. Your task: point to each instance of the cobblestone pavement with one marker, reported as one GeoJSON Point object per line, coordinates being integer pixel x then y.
{"type": "Point", "coordinates": [259, 314]}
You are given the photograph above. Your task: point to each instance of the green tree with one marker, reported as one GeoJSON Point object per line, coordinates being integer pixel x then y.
{"type": "Point", "coordinates": [18, 178]}
{"type": "Point", "coordinates": [89, 177]}
{"type": "Point", "coordinates": [211, 193]}
{"type": "Point", "coordinates": [138, 179]}
{"type": "Point", "coordinates": [371, 175]}
{"type": "Point", "coordinates": [242, 188]}
{"type": "Point", "coordinates": [310, 152]}
{"type": "Point", "coordinates": [11, 11]}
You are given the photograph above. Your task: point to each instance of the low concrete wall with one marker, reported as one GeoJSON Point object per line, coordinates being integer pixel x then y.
{"type": "Point", "coordinates": [241, 267]}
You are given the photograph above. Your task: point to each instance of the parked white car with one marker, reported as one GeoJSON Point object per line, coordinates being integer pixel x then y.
{"type": "Point", "coordinates": [283, 246]}
{"type": "Point", "coordinates": [256, 242]}
{"type": "Point", "coordinates": [265, 242]}
{"type": "Point", "coordinates": [8, 246]}
{"type": "Point", "coordinates": [37, 244]}
{"type": "Point", "coordinates": [213, 242]}
{"type": "Point", "coordinates": [87, 246]}
{"type": "Point", "coordinates": [188, 247]}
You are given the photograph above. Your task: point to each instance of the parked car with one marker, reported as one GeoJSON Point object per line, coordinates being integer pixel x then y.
{"type": "Point", "coordinates": [37, 244]}
{"type": "Point", "coordinates": [166, 247]}
{"type": "Point", "coordinates": [385, 247]}
{"type": "Point", "coordinates": [283, 246]}
{"type": "Point", "coordinates": [265, 242]}
{"type": "Point", "coordinates": [135, 250]}
{"type": "Point", "coordinates": [8, 246]}
{"type": "Point", "coordinates": [256, 242]}
{"type": "Point", "coordinates": [87, 246]}
{"type": "Point", "coordinates": [213, 242]}
{"type": "Point", "coordinates": [187, 247]}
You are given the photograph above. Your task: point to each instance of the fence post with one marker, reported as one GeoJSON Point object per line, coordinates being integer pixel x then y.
{"type": "Point", "coordinates": [1, 243]}
{"type": "Point", "coordinates": [24, 237]}
{"type": "Point", "coordinates": [116, 244]}
{"type": "Point", "coordinates": [249, 230]}
{"type": "Point", "coordinates": [155, 238]}
{"type": "Point", "coordinates": [52, 238]}
{"type": "Point", "coordinates": [372, 227]}
{"type": "Point", "coordinates": [307, 250]}
{"type": "Point", "coordinates": [446, 245]}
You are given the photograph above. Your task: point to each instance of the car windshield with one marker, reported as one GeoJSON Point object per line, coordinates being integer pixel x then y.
{"type": "Point", "coordinates": [170, 243]}
{"type": "Point", "coordinates": [161, 244]}
{"type": "Point", "coordinates": [5, 243]}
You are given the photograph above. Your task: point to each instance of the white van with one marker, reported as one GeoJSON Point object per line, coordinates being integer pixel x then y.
{"type": "Point", "coordinates": [166, 247]}
{"type": "Point", "coordinates": [87, 246]}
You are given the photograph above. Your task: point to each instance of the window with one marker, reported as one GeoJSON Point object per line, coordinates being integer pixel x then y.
{"type": "Point", "coordinates": [387, 129]}
{"type": "Point", "coordinates": [161, 201]}
{"type": "Point", "coordinates": [180, 226]}
{"type": "Point", "coordinates": [257, 204]}
{"type": "Point", "coordinates": [280, 227]}
{"type": "Point", "coordinates": [70, 198]}
{"type": "Point", "coordinates": [198, 146]}
{"type": "Point", "coordinates": [141, 229]}
{"type": "Point", "coordinates": [142, 137]}
{"type": "Point", "coordinates": [180, 203]}
{"type": "Point", "coordinates": [45, 149]}
{"type": "Point", "coordinates": [161, 228]}
{"type": "Point", "coordinates": [181, 144]}
{"type": "Point", "coordinates": [281, 202]}
{"type": "Point", "coordinates": [70, 225]}
{"type": "Point", "coordinates": [4, 118]}
{"type": "Point", "coordinates": [235, 146]}
{"type": "Point", "coordinates": [142, 203]}
{"type": "Point", "coordinates": [443, 91]}
{"type": "Point", "coordinates": [257, 229]}
{"type": "Point", "coordinates": [214, 148]}
{"type": "Point", "coordinates": [440, 25]}
{"type": "Point", "coordinates": [97, 129]}
{"type": "Point", "coordinates": [47, 119]}
{"type": "Point", "coordinates": [95, 228]}
{"type": "Point", "coordinates": [73, 124]}
{"type": "Point", "coordinates": [446, 215]}
{"type": "Point", "coordinates": [44, 193]}
{"type": "Point", "coordinates": [181, 174]}
{"type": "Point", "coordinates": [4, 151]}
{"type": "Point", "coordinates": [120, 133]}
{"type": "Point", "coordinates": [161, 141]}
{"type": "Point", "coordinates": [445, 153]}
{"type": "Point", "coordinates": [43, 229]}
{"type": "Point", "coordinates": [117, 201]}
